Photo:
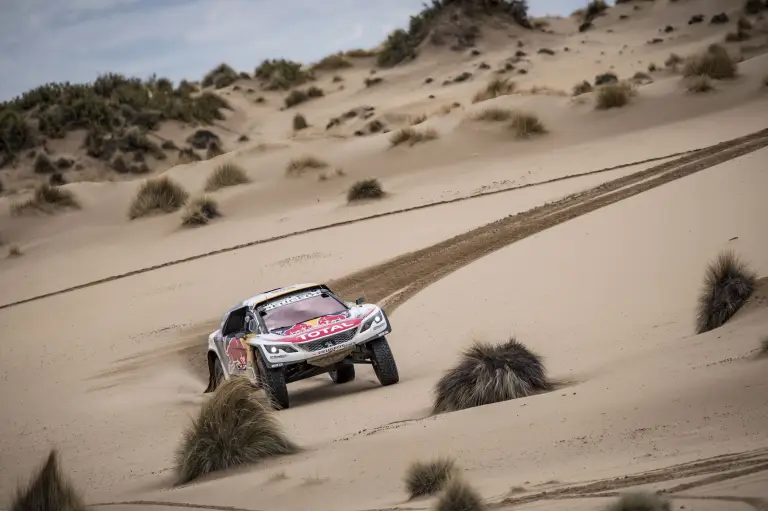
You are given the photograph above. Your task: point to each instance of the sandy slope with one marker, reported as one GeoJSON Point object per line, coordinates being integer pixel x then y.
{"type": "Point", "coordinates": [607, 298]}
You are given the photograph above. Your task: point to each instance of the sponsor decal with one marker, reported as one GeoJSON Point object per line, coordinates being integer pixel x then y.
{"type": "Point", "coordinates": [334, 328]}
{"type": "Point", "coordinates": [237, 353]}
{"type": "Point", "coordinates": [299, 327]}
{"type": "Point", "coordinates": [291, 299]}
{"type": "Point", "coordinates": [333, 318]}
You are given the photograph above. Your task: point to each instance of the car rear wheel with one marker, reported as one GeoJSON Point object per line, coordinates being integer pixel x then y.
{"type": "Point", "coordinates": [344, 374]}
{"type": "Point", "coordinates": [272, 380]}
{"type": "Point", "coordinates": [383, 361]}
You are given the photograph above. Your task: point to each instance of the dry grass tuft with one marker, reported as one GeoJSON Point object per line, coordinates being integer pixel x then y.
{"type": "Point", "coordinates": [235, 427]}
{"type": "Point", "coordinates": [673, 61]}
{"type": "Point", "coordinates": [699, 84]}
{"type": "Point", "coordinates": [158, 195]}
{"type": "Point", "coordinates": [459, 496]}
{"type": "Point", "coordinates": [429, 478]}
{"type": "Point", "coordinates": [298, 166]}
{"type": "Point", "coordinates": [582, 88]}
{"type": "Point", "coordinates": [418, 119]}
{"type": "Point", "coordinates": [48, 490]}
{"type": "Point", "coordinates": [200, 211]}
{"type": "Point", "coordinates": [715, 63]}
{"type": "Point", "coordinates": [489, 374]}
{"type": "Point", "coordinates": [299, 122]}
{"type": "Point", "coordinates": [493, 114]}
{"type": "Point", "coordinates": [640, 501]}
{"type": "Point", "coordinates": [365, 189]}
{"type": "Point", "coordinates": [47, 199]}
{"type": "Point", "coordinates": [43, 164]}
{"type": "Point", "coordinates": [214, 149]}
{"type": "Point", "coordinates": [495, 88]}
{"type": "Point", "coordinates": [412, 136]}
{"type": "Point", "coordinates": [332, 63]}
{"type": "Point", "coordinates": [14, 251]}
{"type": "Point", "coordinates": [613, 95]}
{"type": "Point", "coordinates": [728, 283]}
{"type": "Point", "coordinates": [525, 124]}
{"type": "Point", "coordinates": [226, 174]}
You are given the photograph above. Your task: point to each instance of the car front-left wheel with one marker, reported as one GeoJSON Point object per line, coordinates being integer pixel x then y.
{"type": "Point", "coordinates": [272, 380]}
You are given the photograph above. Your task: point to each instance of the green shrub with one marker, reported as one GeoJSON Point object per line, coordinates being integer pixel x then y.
{"type": "Point", "coordinates": [200, 211]}
{"type": "Point", "coordinates": [365, 189]}
{"type": "Point", "coordinates": [220, 76]}
{"type": "Point", "coordinates": [226, 174]}
{"type": "Point", "coordinates": [158, 195]}
{"type": "Point", "coordinates": [613, 95]}
{"type": "Point", "coordinates": [715, 63]}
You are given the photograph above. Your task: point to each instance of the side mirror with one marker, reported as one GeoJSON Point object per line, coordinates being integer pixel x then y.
{"type": "Point", "coordinates": [253, 326]}
{"type": "Point", "coordinates": [360, 301]}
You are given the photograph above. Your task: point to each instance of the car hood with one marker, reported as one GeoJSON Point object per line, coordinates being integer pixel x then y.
{"type": "Point", "coordinates": [323, 326]}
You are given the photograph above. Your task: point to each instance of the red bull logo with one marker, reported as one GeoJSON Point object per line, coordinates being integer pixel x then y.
{"type": "Point", "coordinates": [295, 329]}
{"type": "Point", "coordinates": [325, 320]}
{"type": "Point", "coordinates": [237, 355]}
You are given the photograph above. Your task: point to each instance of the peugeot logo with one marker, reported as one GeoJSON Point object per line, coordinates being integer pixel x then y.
{"type": "Point", "coordinates": [328, 344]}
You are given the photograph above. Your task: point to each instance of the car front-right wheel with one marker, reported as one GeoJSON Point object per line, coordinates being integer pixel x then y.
{"type": "Point", "coordinates": [383, 361]}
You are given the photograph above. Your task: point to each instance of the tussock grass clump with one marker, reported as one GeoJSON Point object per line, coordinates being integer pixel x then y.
{"type": "Point", "coordinates": [14, 251]}
{"type": "Point", "coordinates": [525, 125]}
{"type": "Point", "coordinates": [582, 88]}
{"type": "Point", "coordinates": [418, 119]}
{"type": "Point", "coordinates": [613, 95]}
{"type": "Point", "coordinates": [48, 490]}
{"type": "Point", "coordinates": [159, 195]}
{"type": "Point", "coordinates": [673, 61]}
{"type": "Point", "coordinates": [489, 374]}
{"type": "Point", "coordinates": [365, 189]}
{"type": "Point", "coordinates": [188, 155]}
{"type": "Point", "coordinates": [220, 76]}
{"type": "Point", "coordinates": [226, 174]}
{"type": "Point", "coordinates": [332, 63]}
{"type": "Point", "coordinates": [214, 149]}
{"type": "Point", "coordinates": [282, 74]}
{"type": "Point", "coordinates": [412, 136]}
{"type": "Point", "coordinates": [200, 211]}
{"type": "Point", "coordinates": [47, 199]}
{"type": "Point", "coordinates": [715, 63]}
{"type": "Point", "coordinates": [459, 496]}
{"type": "Point", "coordinates": [493, 114]}
{"type": "Point", "coordinates": [728, 283]}
{"type": "Point", "coordinates": [495, 88]}
{"type": "Point", "coordinates": [235, 427]}
{"type": "Point", "coordinates": [43, 164]}
{"type": "Point", "coordinates": [298, 166]}
{"type": "Point", "coordinates": [640, 501]}
{"type": "Point", "coordinates": [299, 122]}
{"type": "Point", "coordinates": [428, 478]}
{"type": "Point", "coordinates": [699, 84]}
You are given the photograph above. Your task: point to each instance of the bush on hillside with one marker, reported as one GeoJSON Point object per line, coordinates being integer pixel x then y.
{"type": "Point", "coordinates": [188, 155]}
{"type": "Point", "coordinates": [226, 174]}
{"type": "Point", "coordinates": [298, 166]}
{"type": "Point", "coordinates": [201, 138]}
{"type": "Point", "coordinates": [613, 95]}
{"type": "Point", "coordinates": [728, 283]}
{"type": "Point", "coordinates": [459, 496]}
{"type": "Point", "coordinates": [200, 211]}
{"type": "Point", "coordinates": [220, 76]}
{"type": "Point", "coordinates": [489, 374]}
{"type": "Point", "coordinates": [495, 88]}
{"type": "Point", "coordinates": [699, 84]}
{"type": "Point", "coordinates": [494, 114]}
{"type": "Point", "coordinates": [582, 88]}
{"type": "Point", "coordinates": [282, 74]}
{"type": "Point", "coordinates": [673, 61]}
{"type": "Point", "coordinates": [525, 124]}
{"type": "Point", "coordinates": [715, 62]}
{"type": "Point", "coordinates": [429, 478]}
{"type": "Point", "coordinates": [332, 63]}
{"type": "Point", "coordinates": [365, 189]}
{"type": "Point", "coordinates": [235, 427]}
{"type": "Point", "coordinates": [214, 149]}
{"type": "Point", "coordinates": [412, 136]}
{"type": "Point", "coordinates": [48, 490]}
{"type": "Point", "coordinates": [606, 78]}
{"type": "Point", "coordinates": [47, 199]}
{"type": "Point", "coordinates": [640, 501]}
{"type": "Point", "coordinates": [299, 122]}
{"type": "Point", "coordinates": [158, 195]}
{"type": "Point", "coordinates": [43, 164]}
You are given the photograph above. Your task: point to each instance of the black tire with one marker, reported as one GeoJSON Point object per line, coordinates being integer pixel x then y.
{"type": "Point", "coordinates": [273, 382]}
{"type": "Point", "coordinates": [215, 373]}
{"type": "Point", "coordinates": [344, 374]}
{"type": "Point", "coordinates": [383, 362]}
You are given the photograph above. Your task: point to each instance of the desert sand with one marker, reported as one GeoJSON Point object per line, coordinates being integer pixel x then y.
{"type": "Point", "coordinates": [618, 216]}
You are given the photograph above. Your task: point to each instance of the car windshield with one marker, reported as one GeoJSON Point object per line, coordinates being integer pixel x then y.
{"type": "Point", "coordinates": [299, 308]}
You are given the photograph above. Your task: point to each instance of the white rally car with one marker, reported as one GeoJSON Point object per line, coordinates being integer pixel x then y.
{"type": "Point", "coordinates": [297, 332]}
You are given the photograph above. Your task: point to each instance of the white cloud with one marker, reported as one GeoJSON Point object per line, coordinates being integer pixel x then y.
{"type": "Point", "coordinates": [74, 40]}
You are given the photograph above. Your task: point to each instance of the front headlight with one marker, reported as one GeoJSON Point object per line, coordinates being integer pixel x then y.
{"type": "Point", "coordinates": [377, 319]}
{"type": "Point", "coordinates": [274, 349]}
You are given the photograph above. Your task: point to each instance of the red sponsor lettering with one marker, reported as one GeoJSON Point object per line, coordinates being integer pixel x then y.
{"type": "Point", "coordinates": [295, 329]}
{"type": "Point", "coordinates": [325, 320]}
{"type": "Point", "coordinates": [319, 333]}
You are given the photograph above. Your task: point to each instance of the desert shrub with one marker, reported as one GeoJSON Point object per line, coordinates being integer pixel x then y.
{"type": "Point", "coordinates": [201, 138]}
{"type": "Point", "coordinates": [613, 95]}
{"type": "Point", "coordinates": [525, 124]}
{"type": "Point", "coordinates": [14, 251]}
{"type": "Point", "coordinates": [159, 195]}
{"type": "Point", "coordinates": [582, 88]}
{"type": "Point", "coordinates": [605, 78]}
{"type": "Point", "coordinates": [489, 374]}
{"type": "Point", "coordinates": [220, 76]}
{"type": "Point", "coordinates": [47, 199]}
{"type": "Point", "coordinates": [640, 501]}
{"type": "Point", "coordinates": [226, 174]}
{"type": "Point", "coordinates": [295, 97]}
{"type": "Point", "coordinates": [235, 427]}
{"type": "Point", "coordinates": [728, 283]}
{"type": "Point", "coordinates": [715, 63]}
{"type": "Point", "coordinates": [699, 84]}
{"type": "Point", "coordinates": [315, 92]}
{"type": "Point", "coordinates": [493, 114]}
{"type": "Point", "coordinates": [397, 48]}
{"type": "Point", "coordinates": [214, 149]}
{"type": "Point", "coordinates": [48, 490]}
{"type": "Point", "coordinates": [200, 211]}
{"type": "Point", "coordinates": [360, 53]}
{"type": "Point", "coordinates": [429, 478]}
{"type": "Point", "coordinates": [57, 179]}
{"type": "Point", "coordinates": [371, 81]}
{"type": "Point", "coordinates": [739, 36]}
{"type": "Point", "coordinates": [594, 9]}
{"type": "Point", "coordinates": [365, 189]}
{"type": "Point", "coordinates": [43, 164]}
{"type": "Point", "coordinates": [282, 74]}
{"type": "Point", "coordinates": [15, 133]}
{"type": "Point", "coordinates": [418, 119]}
{"type": "Point", "coordinates": [459, 496]}
{"type": "Point", "coordinates": [412, 136]}
{"type": "Point", "coordinates": [299, 122]}
{"type": "Point", "coordinates": [188, 155]}
{"type": "Point", "coordinates": [673, 61]}
{"type": "Point", "coordinates": [754, 6]}
{"type": "Point", "coordinates": [298, 166]}
{"type": "Point", "coordinates": [495, 88]}
{"type": "Point", "coordinates": [333, 63]}
{"type": "Point", "coordinates": [136, 139]}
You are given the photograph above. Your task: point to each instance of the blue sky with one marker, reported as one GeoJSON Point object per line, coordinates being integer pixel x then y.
{"type": "Point", "coordinates": [75, 40]}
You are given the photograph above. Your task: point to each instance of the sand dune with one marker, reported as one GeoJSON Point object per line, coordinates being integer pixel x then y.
{"type": "Point", "coordinates": [482, 235]}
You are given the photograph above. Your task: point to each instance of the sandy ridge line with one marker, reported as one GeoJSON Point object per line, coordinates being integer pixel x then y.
{"type": "Point", "coordinates": [400, 278]}
{"type": "Point", "coordinates": [719, 468]}
{"type": "Point", "coordinates": [338, 224]}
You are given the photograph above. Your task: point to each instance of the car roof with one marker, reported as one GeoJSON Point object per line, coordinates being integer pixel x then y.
{"type": "Point", "coordinates": [257, 300]}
